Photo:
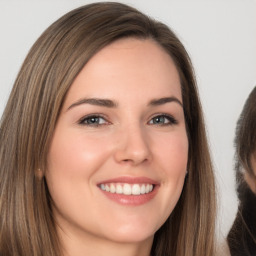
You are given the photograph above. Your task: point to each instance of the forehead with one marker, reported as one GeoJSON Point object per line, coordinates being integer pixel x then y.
{"type": "Point", "coordinates": [127, 66]}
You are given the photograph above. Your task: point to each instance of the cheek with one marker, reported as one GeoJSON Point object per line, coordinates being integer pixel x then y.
{"type": "Point", "coordinates": [253, 162]}
{"type": "Point", "coordinates": [172, 161]}
{"type": "Point", "coordinates": [74, 153]}
{"type": "Point", "coordinates": [251, 182]}
{"type": "Point", "coordinates": [72, 161]}
{"type": "Point", "coordinates": [173, 153]}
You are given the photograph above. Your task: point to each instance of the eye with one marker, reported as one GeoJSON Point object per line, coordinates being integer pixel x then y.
{"type": "Point", "coordinates": [93, 120]}
{"type": "Point", "coordinates": [163, 120]}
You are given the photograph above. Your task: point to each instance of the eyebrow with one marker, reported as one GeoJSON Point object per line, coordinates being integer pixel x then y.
{"type": "Point", "coordinates": [112, 104]}
{"type": "Point", "coordinates": [161, 101]}
{"type": "Point", "coordinates": [95, 101]}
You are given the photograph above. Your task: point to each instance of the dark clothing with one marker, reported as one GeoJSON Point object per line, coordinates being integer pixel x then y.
{"type": "Point", "coordinates": [242, 236]}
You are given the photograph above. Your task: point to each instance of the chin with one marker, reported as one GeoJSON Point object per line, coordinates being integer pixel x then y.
{"type": "Point", "coordinates": [132, 235]}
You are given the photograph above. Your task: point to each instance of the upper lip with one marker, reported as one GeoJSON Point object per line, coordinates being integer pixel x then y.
{"type": "Point", "coordinates": [130, 180]}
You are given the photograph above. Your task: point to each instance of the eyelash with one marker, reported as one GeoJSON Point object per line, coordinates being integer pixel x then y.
{"type": "Point", "coordinates": [94, 123]}
{"type": "Point", "coordinates": [85, 120]}
{"type": "Point", "coordinates": [171, 120]}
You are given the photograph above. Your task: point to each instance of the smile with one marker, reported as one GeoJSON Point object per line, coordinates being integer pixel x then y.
{"type": "Point", "coordinates": [126, 188]}
{"type": "Point", "coordinates": [129, 191]}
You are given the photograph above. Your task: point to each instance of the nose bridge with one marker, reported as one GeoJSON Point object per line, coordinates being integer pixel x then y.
{"type": "Point", "coordinates": [133, 144]}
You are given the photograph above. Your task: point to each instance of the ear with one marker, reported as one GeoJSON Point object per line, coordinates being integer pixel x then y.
{"type": "Point", "coordinates": [39, 173]}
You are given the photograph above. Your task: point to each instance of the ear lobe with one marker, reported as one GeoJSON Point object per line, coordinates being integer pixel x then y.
{"type": "Point", "coordinates": [39, 173]}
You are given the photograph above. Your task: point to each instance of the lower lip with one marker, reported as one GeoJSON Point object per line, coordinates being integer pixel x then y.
{"type": "Point", "coordinates": [132, 200]}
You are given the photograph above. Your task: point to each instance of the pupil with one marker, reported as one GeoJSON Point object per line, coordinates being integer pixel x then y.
{"type": "Point", "coordinates": [158, 120]}
{"type": "Point", "coordinates": [93, 120]}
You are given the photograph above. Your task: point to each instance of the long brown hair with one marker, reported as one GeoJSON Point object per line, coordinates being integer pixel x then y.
{"type": "Point", "coordinates": [27, 226]}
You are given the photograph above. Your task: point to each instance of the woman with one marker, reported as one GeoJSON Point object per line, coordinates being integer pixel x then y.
{"type": "Point", "coordinates": [242, 236]}
{"type": "Point", "coordinates": [103, 146]}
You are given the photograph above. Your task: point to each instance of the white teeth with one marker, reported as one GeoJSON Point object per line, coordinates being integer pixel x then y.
{"type": "Point", "coordinates": [143, 189]}
{"type": "Point", "coordinates": [112, 188]}
{"type": "Point", "coordinates": [127, 189]}
{"type": "Point", "coordinates": [136, 189]}
{"type": "Point", "coordinates": [119, 189]}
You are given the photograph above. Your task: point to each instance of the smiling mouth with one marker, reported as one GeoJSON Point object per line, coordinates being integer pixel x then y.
{"type": "Point", "coordinates": [126, 188]}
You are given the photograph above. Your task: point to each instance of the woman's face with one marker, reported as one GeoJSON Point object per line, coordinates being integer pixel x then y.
{"type": "Point", "coordinates": [118, 157]}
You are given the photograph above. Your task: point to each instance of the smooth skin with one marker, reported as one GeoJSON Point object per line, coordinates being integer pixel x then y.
{"type": "Point", "coordinates": [116, 121]}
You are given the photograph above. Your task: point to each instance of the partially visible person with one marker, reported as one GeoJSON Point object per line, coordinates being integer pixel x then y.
{"type": "Point", "coordinates": [242, 236]}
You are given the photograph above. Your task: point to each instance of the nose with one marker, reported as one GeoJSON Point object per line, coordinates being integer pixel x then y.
{"type": "Point", "coordinates": [133, 146]}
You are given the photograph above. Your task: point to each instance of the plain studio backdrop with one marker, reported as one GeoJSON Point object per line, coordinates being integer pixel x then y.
{"type": "Point", "coordinates": [220, 37]}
